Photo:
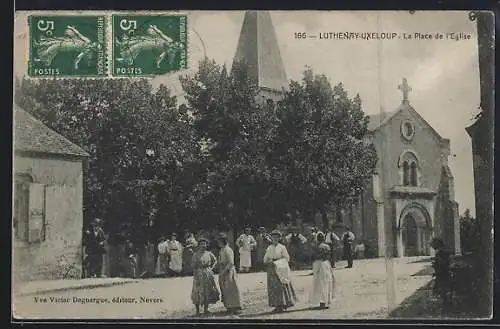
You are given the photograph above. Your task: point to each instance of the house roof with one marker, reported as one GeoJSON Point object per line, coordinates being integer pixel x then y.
{"type": "Point", "coordinates": [31, 135]}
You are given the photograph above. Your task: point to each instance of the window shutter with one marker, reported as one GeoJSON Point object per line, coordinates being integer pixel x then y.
{"type": "Point", "coordinates": [36, 222]}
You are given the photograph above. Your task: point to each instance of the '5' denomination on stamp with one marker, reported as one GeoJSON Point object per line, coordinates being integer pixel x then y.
{"type": "Point", "coordinates": [145, 45]}
{"type": "Point", "coordinates": [71, 46]}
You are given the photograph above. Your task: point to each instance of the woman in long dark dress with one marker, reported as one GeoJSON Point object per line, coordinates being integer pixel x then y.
{"type": "Point", "coordinates": [204, 290]}
{"type": "Point", "coordinates": [187, 253]}
{"type": "Point", "coordinates": [230, 292]}
{"type": "Point", "coordinates": [280, 291]}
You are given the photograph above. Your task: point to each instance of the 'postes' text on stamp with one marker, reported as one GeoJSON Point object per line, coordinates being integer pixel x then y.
{"type": "Point", "coordinates": [148, 45]}
{"type": "Point", "coordinates": [67, 46]}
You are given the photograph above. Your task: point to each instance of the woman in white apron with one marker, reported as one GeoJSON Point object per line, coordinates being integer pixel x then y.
{"type": "Point", "coordinates": [280, 291]}
{"type": "Point", "coordinates": [323, 278]}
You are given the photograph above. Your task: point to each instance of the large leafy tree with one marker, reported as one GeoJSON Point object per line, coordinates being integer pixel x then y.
{"type": "Point", "coordinates": [224, 158]}
{"type": "Point", "coordinates": [320, 155]}
{"type": "Point", "coordinates": [142, 151]}
{"type": "Point", "coordinates": [234, 130]}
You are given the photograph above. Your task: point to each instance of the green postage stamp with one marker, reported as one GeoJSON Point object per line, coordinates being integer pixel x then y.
{"type": "Point", "coordinates": [71, 46]}
{"type": "Point", "coordinates": [145, 45]}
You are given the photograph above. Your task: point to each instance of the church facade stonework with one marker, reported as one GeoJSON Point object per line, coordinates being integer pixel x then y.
{"type": "Point", "coordinates": [411, 196]}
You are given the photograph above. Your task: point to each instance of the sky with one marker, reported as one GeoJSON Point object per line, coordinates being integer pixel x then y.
{"type": "Point", "coordinates": [443, 74]}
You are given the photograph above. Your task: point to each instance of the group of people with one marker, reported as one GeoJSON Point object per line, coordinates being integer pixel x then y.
{"type": "Point", "coordinates": [280, 289]}
{"type": "Point", "coordinates": [301, 248]}
{"type": "Point", "coordinates": [174, 258]}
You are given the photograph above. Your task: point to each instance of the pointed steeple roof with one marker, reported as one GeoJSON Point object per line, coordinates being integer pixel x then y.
{"type": "Point", "coordinates": [258, 48]}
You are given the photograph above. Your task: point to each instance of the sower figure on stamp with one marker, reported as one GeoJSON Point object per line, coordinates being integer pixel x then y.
{"type": "Point", "coordinates": [246, 243]}
{"type": "Point", "coordinates": [94, 247]}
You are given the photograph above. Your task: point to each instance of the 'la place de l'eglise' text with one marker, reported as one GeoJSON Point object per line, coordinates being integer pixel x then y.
{"type": "Point", "coordinates": [383, 36]}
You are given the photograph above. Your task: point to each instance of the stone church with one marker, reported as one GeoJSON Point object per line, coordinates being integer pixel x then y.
{"type": "Point", "coordinates": [411, 196]}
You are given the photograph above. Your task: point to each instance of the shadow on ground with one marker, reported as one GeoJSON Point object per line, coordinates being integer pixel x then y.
{"type": "Point", "coordinates": [421, 304]}
{"type": "Point", "coordinates": [256, 315]}
{"type": "Point", "coordinates": [422, 260]}
{"type": "Point", "coordinates": [245, 316]}
{"type": "Point", "coordinates": [426, 271]}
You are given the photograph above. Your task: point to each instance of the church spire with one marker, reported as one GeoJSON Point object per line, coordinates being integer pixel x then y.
{"type": "Point", "coordinates": [258, 48]}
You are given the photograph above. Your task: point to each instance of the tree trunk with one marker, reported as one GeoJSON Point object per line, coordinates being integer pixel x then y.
{"type": "Point", "coordinates": [324, 219]}
{"type": "Point", "coordinates": [338, 213]}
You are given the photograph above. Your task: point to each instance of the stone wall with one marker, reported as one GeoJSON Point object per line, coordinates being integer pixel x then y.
{"type": "Point", "coordinates": [369, 220]}
{"type": "Point", "coordinates": [446, 223]}
{"type": "Point", "coordinates": [59, 253]}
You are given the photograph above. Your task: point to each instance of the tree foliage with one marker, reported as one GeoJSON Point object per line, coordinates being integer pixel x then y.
{"type": "Point", "coordinates": [234, 130]}
{"type": "Point", "coordinates": [319, 155]}
{"type": "Point", "coordinates": [470, 235]}
{"type": "Point", "coordinates": [142, 152]}
{"type": "Point", "coordinates": [224, 158]}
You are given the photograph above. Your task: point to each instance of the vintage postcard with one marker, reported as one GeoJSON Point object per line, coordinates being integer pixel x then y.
{"type": "Point", "coordinates": [248, 165]}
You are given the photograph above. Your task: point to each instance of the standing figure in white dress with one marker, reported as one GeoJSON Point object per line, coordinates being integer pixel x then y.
{"type": "Point", "coordinates": [162, 262]}
{"type": "Point", "coordinates": [246, 243]}
{"type": "Point", "coordinates": [323, 278]}
{"type": "Point", "coordinates": [280, 292]}
{"type": "Point", "coordinates": [174, 250]}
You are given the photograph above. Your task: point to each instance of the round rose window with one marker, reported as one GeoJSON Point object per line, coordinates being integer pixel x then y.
{"type": "Point", "coordinates": [407, 130]}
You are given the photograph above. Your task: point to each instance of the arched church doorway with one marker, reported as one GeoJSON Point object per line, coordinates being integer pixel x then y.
{"type": "Point", "coordinates": [415, 231]}
{"type": "Point", "coordinates": [410, 236]}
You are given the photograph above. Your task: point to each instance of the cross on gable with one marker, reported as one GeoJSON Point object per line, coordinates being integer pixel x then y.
{"type": "Point", "coordinates": [405, 89]}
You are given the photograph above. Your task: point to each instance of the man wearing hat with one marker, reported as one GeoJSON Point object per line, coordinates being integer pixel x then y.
{"type": "Point", "coordinates": [94, 248]}
{"type": "Point", "coordinates": [348, 240]}
{"type": "Point", "coordinates": [295, 242]}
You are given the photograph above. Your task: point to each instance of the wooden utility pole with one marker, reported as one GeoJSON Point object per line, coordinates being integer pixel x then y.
{"type": "Point", "coordinates": [386, 229]}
